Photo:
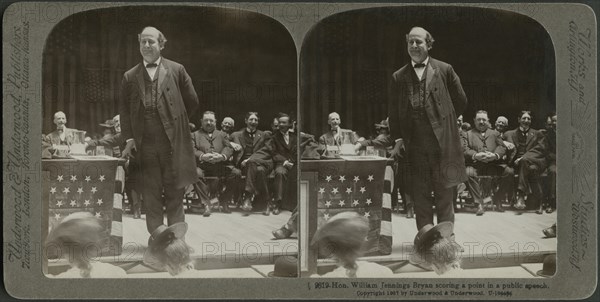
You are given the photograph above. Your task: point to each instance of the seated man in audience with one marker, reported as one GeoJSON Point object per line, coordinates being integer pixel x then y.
{"type": "Point", "coordinates": [62, 136]}
{"type": "Point", "coordinates": [213, 150]}
{"type": "Point", "coordinates": [528, 159]}
{"type": "Point", "coordinates": [227, 126]}
{"type": "Point", "coordinates": [332, 140]}
{"type": "Point", "coordinates": [484, 151]}
{"type": "Point", "coordinates": [251, 140]}
{"type": "Point", "coordinates": [401, 179]}
{"type": "Point", "coordinates": [551, 160]}
{"type": "Point", "coordinates": [283, 148]}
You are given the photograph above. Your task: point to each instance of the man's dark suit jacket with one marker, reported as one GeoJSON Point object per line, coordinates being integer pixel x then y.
{"type": "Point", "coordinates": [177, 101]}
{"type": "Point", "coordinates": [535, 147]}
{"type": "Point", "coordinates": [280, 151]}
{"type": "Point", "coordinates": [219, 142]}
{"type": "Point", "coordinates": [473, 142]}
{"type": "Point", "coordinates": [444, 100]}
{"type": "Point", "coordinates": [239, 137]}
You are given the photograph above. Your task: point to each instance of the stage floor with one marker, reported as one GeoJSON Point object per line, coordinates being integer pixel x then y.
{"type": "Point", "coordinates": [492, 240]}
{"type": "Point", "coordinates": [232, 241]}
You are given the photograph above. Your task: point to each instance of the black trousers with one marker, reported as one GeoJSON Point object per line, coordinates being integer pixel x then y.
{"type": "Point", "coordinates": [158, 179]}
{"type": "Point", "coordinates": [225, 172]}
{"type": "Point", "coordinates": [257, 182]}
{"type": "Point", "coordinates": [529, 180]}
{"type": "Point", "coordinates": [475, 185]}
{"type": "Point", "coordinates": [285, 183]}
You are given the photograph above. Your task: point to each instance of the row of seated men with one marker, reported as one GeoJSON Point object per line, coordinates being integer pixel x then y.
{"type": "Point", "coordinates": [502, 154]}
{"type": "Point", "coordinates": [493, 158]}
{"type": "Point", "coordinates": [249, 152]}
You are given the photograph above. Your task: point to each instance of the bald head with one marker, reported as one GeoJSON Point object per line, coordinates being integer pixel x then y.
{"type": "Point", "coordinates": [334, 120]}
{"type": "Point", "coordinates": [152, 41]}
{"type": "Point", "coordinates": [419, 43]}
{"type": "Point", "coordinates": [60, 120]}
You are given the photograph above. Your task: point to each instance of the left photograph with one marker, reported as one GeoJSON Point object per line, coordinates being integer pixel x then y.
{"type": "Point", "coordinates": [169, 145]}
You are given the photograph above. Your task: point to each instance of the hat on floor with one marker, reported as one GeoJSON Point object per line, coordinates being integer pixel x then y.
{"type": "Point", "coordinates": [549, 268]}
{"type": "Point", "coordinates": [285, 266]}
{"type": "Point", "coordinates": [429, 234]}
{"type": "Point", "coordinates": [160, 238]}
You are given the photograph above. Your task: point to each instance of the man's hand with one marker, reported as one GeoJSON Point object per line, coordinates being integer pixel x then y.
{"type": "Point", "coordinates": [509, 145]}
{"type": "Point", "coordinates": [287, 164]}
{"type": "Point", "coordinates": [480, 156]}
{"type": "Point", "coordinates": [357, 147]}
{"type": "Point", "coordinates": [236, 147]}
{"type": "Point", "coordinates": [489, 157]}
{"type": "Point", "coordinates": [398, 151]}
{"type": "Point", "coordinates": [244, 162]}
{"type": "Point", "coordinates": [129, 147]}
{"type": "Point", "coordinates": [518, 160]}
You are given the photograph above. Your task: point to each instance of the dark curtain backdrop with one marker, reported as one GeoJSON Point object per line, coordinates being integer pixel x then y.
{"type": "Point", "coordinates": [239, 61]}
{"type": "Point", "coordinates": [505, 62]}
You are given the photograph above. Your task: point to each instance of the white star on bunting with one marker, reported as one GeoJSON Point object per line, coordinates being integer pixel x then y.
{"type": "Point", "coordinates": [328, 178]}
{"type": "Point", "coordinates": [73, 203]}
{"type": "Point", "coordinates": [99, 202]}
{"type": "Point", "coordinates": [52, 190]}
{"type": "Point", "coordinates": [334, 190]}
{"type": "Point", "coordinates": [356, 178]}
{"type": "Point", "coordinates": [321, 190]}
{"type": "Point", "coordinates": [73, 177]}
{"type": "Point", "coordinates": [367, 214]}
{"type": "Point", "coordinates": [348, 190]}
{"type": "Point", "coordinates": [59, 203]}
{"type": "Point", "coordinates": [342, 178]}
{"type": "Point", "coordinates": [370, 178]}
{"type": "Point", "coordinates": [87, 178]}
{"type": "Point", "coordinates": [79, 190]}
{"type": "Point", "coordinates": [98, 214]}
{"type": "Point", "coordinates": [342, 203]}
{"type": "Point", "coordinates": [355, 203]}
{"type": "Point", "coordinates": [87, 202]}
{"type": "Point", "coordinates": [369, 201]}
{"type": "Point", "coordinates": [101, 178]}
{"type": "Point", "coordinates": [363, 190]}
{"type": "Point", "coordinates": [66, 190]}
{"type": "Point", "coordinates": [94, 190]}
{"type": "Point", "coordinates": [59, 178]}
{"type": "Point", "coordinates": [57, 216]}
{"type": "Point", "coordinates": [328, 203]}
{"type": "Point", "coordinates": [326, 216]}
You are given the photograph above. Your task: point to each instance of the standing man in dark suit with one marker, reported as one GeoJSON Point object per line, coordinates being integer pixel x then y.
{"type": "Point", "coordinates": [528, 159]}
{"type": "Point", "coordinates": [283, 148]}
{"type": "Point", "coordinates": [157, 99]}
{"type": "Point", "coordinates": [213, 151]}
{"type": "Point", "coordinates": [250, 140]}
{"type": "Point", "coordinates": [427, 97]}
{"type": "Point", "coordinates": [484, 151]}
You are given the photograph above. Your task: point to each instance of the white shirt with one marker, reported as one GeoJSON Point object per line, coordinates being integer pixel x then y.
{"type": "Point", "coordinates": [336, 135]}
{"type": "Point", "coordinates": [286, 137]}
{"type": "Point", "coordinates": [152, 70]}
{"type": "Point", "coordinates": [420, 70]}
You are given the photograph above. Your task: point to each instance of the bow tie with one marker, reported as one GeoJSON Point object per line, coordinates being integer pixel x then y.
{"type": "Point", "coordinates": [419, 65]}
{"type": "Point", "coordinates": [151, 65]}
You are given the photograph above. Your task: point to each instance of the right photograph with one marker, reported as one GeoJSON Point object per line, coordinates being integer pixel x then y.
{"type": "Point", "coordinates": [434, 151]}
